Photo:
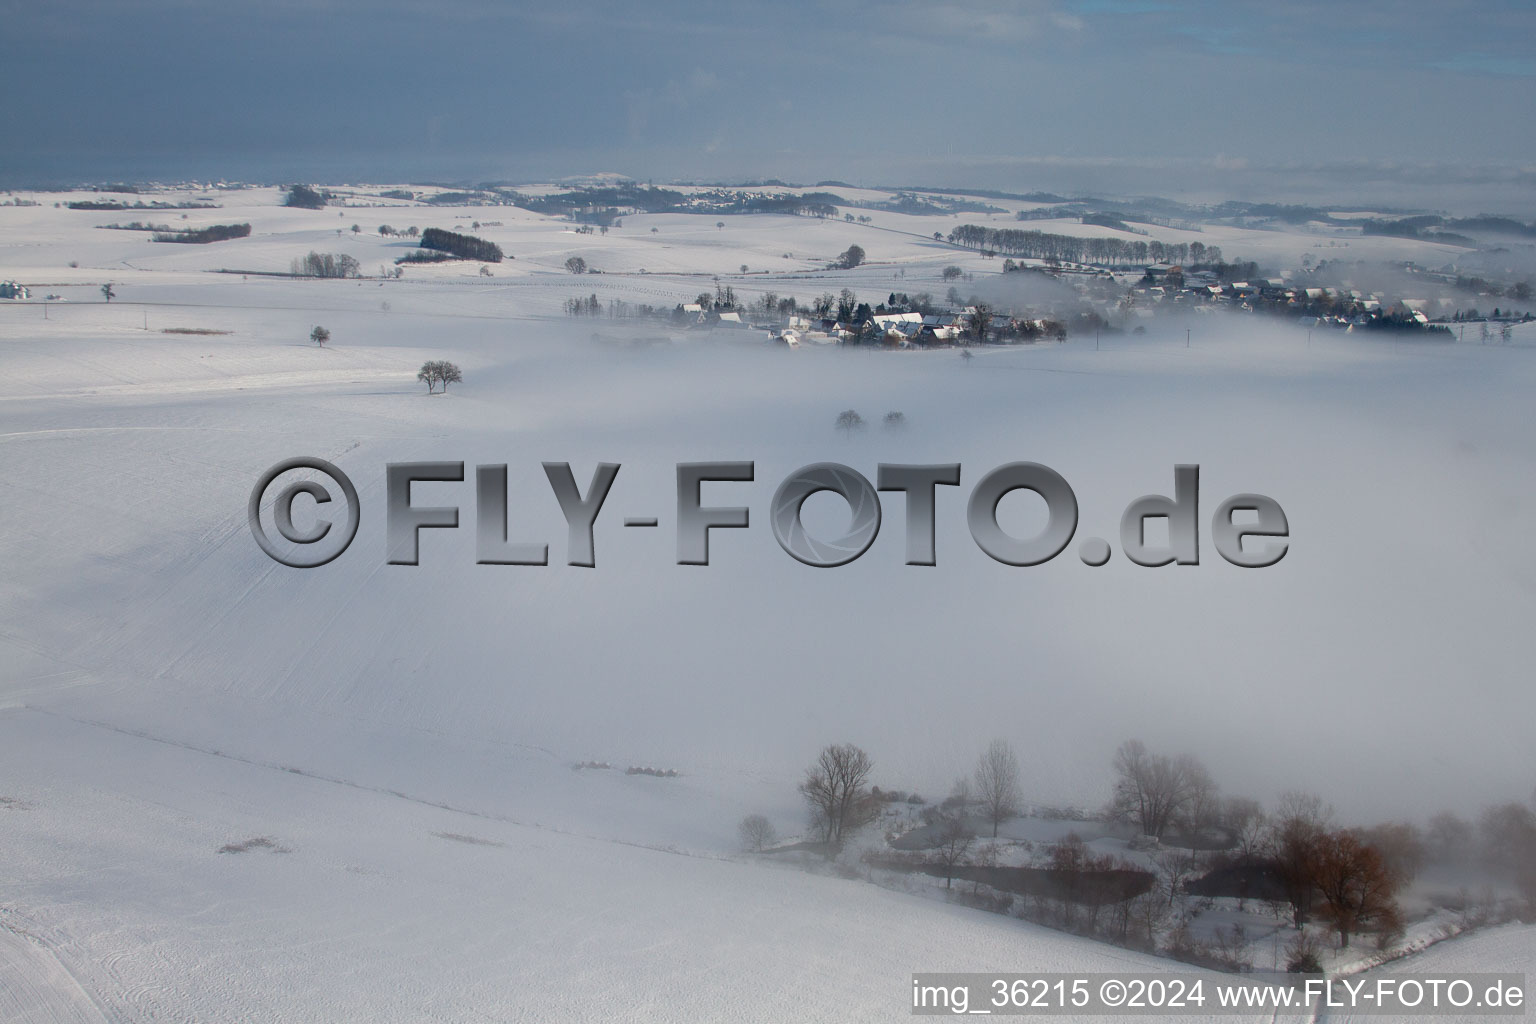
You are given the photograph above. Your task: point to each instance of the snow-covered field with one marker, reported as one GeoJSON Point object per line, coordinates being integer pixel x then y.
{"type": "Point", "coordinates": [387, 751]}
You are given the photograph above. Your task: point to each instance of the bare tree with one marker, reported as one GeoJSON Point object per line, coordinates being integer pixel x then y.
{"type": "Point", "coordinates": [757, 833]}
{"type": "Point", "coordinates": [1153, 789]}
{"type": "Point", "coordinates": [1175, 867]}
{"type": "Point", "coordinates": [1508, 833]}
{"type": "Point", "coordinates": [1295, 837]}
{"type": "Point", "coordinates": [1244, 821]}
{"type": "Point", "coordinates": [320, 336]}
{"type": "Point", "coordinates": [1146, 913]}
{"type": "Point", "coordinates": [1450, 837]}
{"type": "Point", "coordinates": [1202, 806]}
{"type": "Point", "coordinates": [849, 420]}
{"type": "Point", "coordinates": [1509, 842]}
{"type": "Point", "coordinates": [1401, 846]}
{"type": "Point", "coordinates": [576, 265]}
{"type": "Point", "coordinates": [107, 292]}
{"type": "Point", "coordinates": [954, 843]}
{"type": "Point", "coordinates": [837, 789]}
{"type": "Point", "coordinates": [439, 372]}
{"type": "Point", "coordinates": [997, 783]}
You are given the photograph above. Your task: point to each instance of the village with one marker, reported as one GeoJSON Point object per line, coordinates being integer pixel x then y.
{"type": "Point", "coordinates": [1107, 303]}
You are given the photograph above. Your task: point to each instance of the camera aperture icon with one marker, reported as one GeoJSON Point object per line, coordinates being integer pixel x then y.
{"type": "Point", "coordinates": [863, 503]}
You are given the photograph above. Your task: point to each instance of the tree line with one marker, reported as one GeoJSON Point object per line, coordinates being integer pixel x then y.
{"type": "Point", "coordinates": [318, 264]}
{"type": "Point", "coordinates": [304, 198]}
{"type": "Point", "coordinates": [466, 247]}
{"type": "Point", "coordinates": [202, 236]}
{"type": "Point", "coordinates": [1109, 252]}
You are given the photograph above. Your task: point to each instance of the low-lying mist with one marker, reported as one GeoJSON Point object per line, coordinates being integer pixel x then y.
{"type": "Point", "coordinates": [1380, 663]}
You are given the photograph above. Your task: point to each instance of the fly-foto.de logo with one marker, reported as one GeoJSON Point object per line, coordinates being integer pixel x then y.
{"type": "Point", "coordinates": [1248, 530]}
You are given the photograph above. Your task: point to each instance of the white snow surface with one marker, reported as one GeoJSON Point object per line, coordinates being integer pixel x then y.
{"type": "Point", "coordinates": [399, 741]}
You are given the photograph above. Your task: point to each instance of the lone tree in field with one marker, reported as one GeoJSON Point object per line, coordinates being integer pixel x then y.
{"type": "Point", "coordinates": [756, 833]}
{"type": "Point", "coordinates": [849, 420]}
{"type": "Point", "coordinates": [851, 257]}
{"type": "Point", "coordinates": [837, 789]}
{"type": "Point", "coordinates": [107, 292]}
{"type": "Point", "coordinates": [320, 336]}
{"type": "Point", "coordinates": [997, 783]}
{"type": "Point", "coordinates": [576, 265]}
{"type": "Point", "coordinates": [439, 372]}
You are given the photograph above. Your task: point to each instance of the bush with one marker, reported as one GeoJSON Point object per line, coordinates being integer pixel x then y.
{"type": "Point", "coordinates": [1303, 954]}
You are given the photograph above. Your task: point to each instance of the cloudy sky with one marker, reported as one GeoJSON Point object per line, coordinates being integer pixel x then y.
{"type": "Point", "coordinates": [1115, 95]}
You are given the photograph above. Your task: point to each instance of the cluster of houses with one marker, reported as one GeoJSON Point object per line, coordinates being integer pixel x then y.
{"type": "Point", "coordinates": [12, 290]}
{"type": "Point", "coordinates": [899, 329]}
{"type": "Point", "coordinates": [908, 329]}
{"type": "Point", "coordinates": [1312, 307]}
{"type": "Point", "coordinates": [1160, 288]}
